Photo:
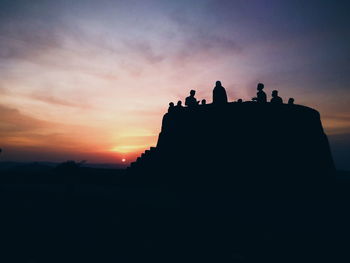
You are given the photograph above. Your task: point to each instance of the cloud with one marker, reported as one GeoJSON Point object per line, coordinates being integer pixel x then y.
{"type": "Point", "coordinates": [45, 97]}
{"type": "Point", "coordinates": [200, 35]}
{"type": "Point", "coordinates": [3, 90]}
{"type": "Point", "coordinates": [30, 139]}
{"type": "Point", "coordinates": [28, 28]}
{"type": "Point", "coordinates": [20, 130]}
{"type": "Point", "coordinates": [144, 50]}
{"type": "Point", "coordinates": [12, 122]}
{"type": "Point", "coordinates": [129, 60]}
{"type": "Point", "coordinates": [16, 126]}
{"type": "Point", "coordinates": [20, 41]}
{"type": "Point", "coordinates": [57, 101]}
{"type": "Point", "coordinates": [337, 125]}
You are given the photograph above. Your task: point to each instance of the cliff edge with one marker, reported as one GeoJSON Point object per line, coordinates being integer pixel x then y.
{"type": "Point", "coordinates": [240, 139]}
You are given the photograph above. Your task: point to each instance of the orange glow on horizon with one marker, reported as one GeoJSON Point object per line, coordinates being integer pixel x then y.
{"type": "Point", "coordinates": [129, 148]}
{"type": "Point", "coordinates": [103, 99]}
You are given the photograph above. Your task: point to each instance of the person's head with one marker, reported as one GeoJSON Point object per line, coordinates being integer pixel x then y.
{"type": "Point", "coordinates": [239, 100]}
{"type": "Point", "coordinates": [291, 101]}
{"type": "Point", "coordinates": [192, 92]}
{"type": "Point", "coordinates": [204, 102]}
{"type": "Point", "coordinates": [179, 103]}
{"type": "Point", "coordinates": [218, 84]}
{"type": "Point", "coordinates": [274, 93]}
{"type": "Point", "coordinates": [260, 86]}
{"type": "Point", "coordinates": [171, 104]}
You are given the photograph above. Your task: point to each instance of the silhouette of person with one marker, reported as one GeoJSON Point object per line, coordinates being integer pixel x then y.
{"type": "Point", "coordinates": [291, 101]}
{"type": "Point", "coordinates": [191, 101]}
{"type": "Point", "coordinates": [260, 95]}
{"type": "Point", "coordinates": [219, 94]}
{"type": "Point", "coordinates": [239, 101]}
{"type": "Point", "coordinates": [171, 107]}
{"type": "Point", "coordinates": [179, 104]}
{"type": "Point", "coordinates": [204, 102]}
{"type": "Point", "coordinates": [275, 98]}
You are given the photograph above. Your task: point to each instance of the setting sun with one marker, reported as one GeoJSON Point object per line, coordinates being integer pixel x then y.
{"type": "Point", "coordinates": [95, 85]}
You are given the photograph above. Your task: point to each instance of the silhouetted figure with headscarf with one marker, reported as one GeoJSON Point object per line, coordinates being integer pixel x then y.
{"type": "Point", "coordinates": [219, 94]}
{"type": "Point", "coordinates": [191, 101]}
{"type": "Point", "coordinates": [260, 95]}
{"type": "Point", "coordinates": [291, 101]}
{"type": "Point", "coordinates": [275, 98]}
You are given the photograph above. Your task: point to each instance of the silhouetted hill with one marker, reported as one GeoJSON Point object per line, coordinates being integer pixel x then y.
{"type": "Point", "coordinates": [54, 173]}
{"type": "Point", "coordinates": [10, 166]}
{"type": "Point", "coordinates": [236, 142]}
{"type": "Point", "coordinates": [232, 183]}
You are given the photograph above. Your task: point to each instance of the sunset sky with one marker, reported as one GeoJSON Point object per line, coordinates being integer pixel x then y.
{"type": "Point", "coordinates": [91, 80]}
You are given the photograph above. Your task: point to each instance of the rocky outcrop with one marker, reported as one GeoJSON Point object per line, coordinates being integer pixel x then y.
{"type": "Point", "coordinates": [240, 140]}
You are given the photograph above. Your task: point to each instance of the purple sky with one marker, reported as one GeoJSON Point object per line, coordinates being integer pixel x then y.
{"type": "Point", "coordinates": [92, 79]}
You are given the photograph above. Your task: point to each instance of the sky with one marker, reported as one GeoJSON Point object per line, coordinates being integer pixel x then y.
{"type": "Point", "coordinates": [91, 80]}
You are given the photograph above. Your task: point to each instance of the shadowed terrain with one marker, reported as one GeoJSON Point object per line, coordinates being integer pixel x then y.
{"type": "Point", "coordinates": [240, 182]}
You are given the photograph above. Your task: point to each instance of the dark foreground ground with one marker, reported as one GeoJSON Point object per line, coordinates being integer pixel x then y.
{"type": "Point", "coordinates": [95, 215]}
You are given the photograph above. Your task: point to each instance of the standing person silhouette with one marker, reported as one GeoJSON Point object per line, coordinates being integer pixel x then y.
{"type": "Point", "coordinates": [219, 94]}
{"type": "Point", "coordinates": [191, 101]}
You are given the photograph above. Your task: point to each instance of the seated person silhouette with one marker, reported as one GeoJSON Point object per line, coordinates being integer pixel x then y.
{"type": "Point", "coordinates": [191, 101]}
{"type": "Point", "coordinates": [239, 101]}
{"type": "Point", "coordinates": [291, 101]}
{"type": "Point", "coordinates": [260, 95]}
{"type": "Point", "coordinates": [204, 102]}
{"type": "Point", "coordinates": [219, 94]}
{"type": "Point", "coordinates": [275, 98]}
{"type": "Point", "coordinates": [179, 104]}
{"type": "Point", "coordinates": [171, 107]}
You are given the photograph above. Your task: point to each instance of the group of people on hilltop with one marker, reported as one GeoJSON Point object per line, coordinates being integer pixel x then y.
{"type": "Point", "coordinates": [262, 98]}
{"type": "Point", "coordinates": [220, 97]}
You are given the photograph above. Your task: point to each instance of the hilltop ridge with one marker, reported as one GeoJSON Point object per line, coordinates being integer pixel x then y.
{"type": "Point", "coordinates": [263, 140]}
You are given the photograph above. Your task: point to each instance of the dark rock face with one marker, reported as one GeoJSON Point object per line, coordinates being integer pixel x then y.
{"type": "Point", "coordinates": [238, 169]}
{"type": "Point", "coordinates": [241, 141]}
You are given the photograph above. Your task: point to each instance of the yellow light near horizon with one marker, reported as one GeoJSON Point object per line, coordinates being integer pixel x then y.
{"type": "Point", "coordinates": [129, 148]}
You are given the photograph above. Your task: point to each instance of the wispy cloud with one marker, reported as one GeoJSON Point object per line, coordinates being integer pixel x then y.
{"type": "Point", "coordinates": [58, 101]}
{"type": "Point", "coordinates": [18, 129]}
{"type": "Point", "coordinates": [337, 124]}
{"type": "Point", "coordinates": [143, 49]}
{"type": "Point", "coordinates": [113, 66]}
{"type": "Point", "coordinates": [13, 122]}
